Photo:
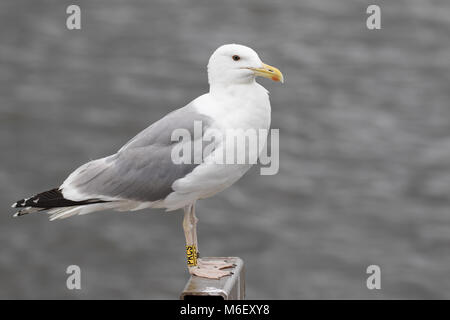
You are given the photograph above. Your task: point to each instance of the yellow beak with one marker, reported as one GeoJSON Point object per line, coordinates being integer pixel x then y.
{"type": "Point", "coordinates": [269, 72]}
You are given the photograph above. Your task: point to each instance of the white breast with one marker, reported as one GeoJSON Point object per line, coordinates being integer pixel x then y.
{"type": "Point", "coordinates": [239, 107]}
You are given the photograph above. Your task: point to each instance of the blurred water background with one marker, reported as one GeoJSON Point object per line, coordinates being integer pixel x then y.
{"type": "Point", "coordinates": [364, 153]}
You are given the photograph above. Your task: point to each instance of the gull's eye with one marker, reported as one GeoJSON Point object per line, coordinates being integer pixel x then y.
{"type": "Point", "coordinates": [236, 58]}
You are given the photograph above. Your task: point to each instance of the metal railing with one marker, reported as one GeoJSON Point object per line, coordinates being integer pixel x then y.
{"type": "Point", "coordinates": [230, 287]}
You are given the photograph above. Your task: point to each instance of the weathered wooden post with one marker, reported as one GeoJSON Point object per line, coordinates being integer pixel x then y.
{"type": "Point", "coordinates": [227, 288]}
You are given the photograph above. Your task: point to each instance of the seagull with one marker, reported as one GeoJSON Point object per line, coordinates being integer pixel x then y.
{"type": "Point", "coordinates": [143, 173]}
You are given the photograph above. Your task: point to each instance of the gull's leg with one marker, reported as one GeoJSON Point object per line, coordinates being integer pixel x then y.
{"type": "Point", "coordinates": [219, 264]}
{"type": "Point", "coordinates": [206, 269]}
{"type": "Point", "coordinates": [188, 227]}
{"type": "Point", "coordinates": [193, 218]}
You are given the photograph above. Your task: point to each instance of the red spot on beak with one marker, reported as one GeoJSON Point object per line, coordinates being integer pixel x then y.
{"type": "Point", "coordinates": [275, 79]}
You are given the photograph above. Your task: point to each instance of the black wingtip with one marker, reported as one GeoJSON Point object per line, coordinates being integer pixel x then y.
{"type": "Point", "coordinates": [49, 199]}
{"type": "Point", "coordinates": [20, 213]}
{"type": "Point", "coordinates": [19, 204]}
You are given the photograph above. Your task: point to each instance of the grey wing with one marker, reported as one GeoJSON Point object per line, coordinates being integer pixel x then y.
{"type": "Point", "coordinates": [142, 169]}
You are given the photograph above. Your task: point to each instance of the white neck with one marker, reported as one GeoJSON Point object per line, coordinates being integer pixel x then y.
{"type": "Point", "coordinates": [218, 88]}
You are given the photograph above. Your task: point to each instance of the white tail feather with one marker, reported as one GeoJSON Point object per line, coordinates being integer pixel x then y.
{"type": "Point", "coordinates": [66, 212]}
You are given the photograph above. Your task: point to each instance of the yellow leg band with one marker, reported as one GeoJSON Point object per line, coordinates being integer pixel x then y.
{"type": "Point", "coordinates": [191, 254]}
